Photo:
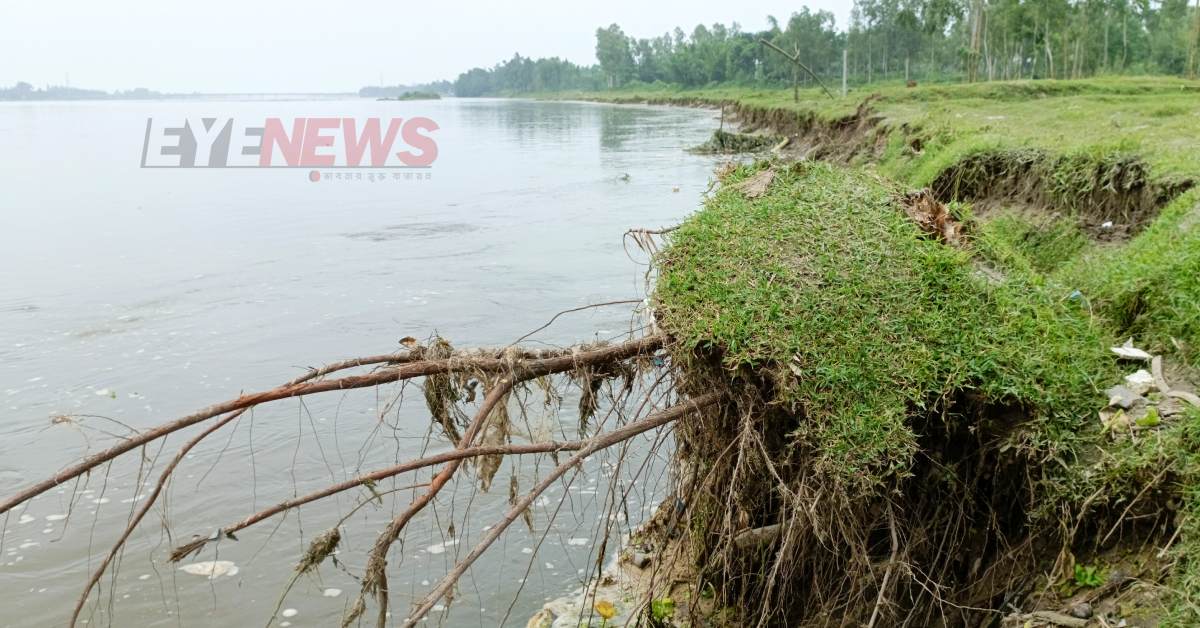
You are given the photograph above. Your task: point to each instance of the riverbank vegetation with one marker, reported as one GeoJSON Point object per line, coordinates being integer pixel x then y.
{"type": "Point", "coordinates": [886, 40]}
{"type": "Point", "coordinates": [913, 432]}
{"type": "Point", "coordinates": [911, 305]}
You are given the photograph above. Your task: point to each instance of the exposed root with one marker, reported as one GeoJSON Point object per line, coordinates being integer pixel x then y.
{"type": "Point", "coordinates": [599, 442]}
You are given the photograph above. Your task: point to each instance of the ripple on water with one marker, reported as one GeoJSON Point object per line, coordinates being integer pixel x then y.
{"type": "Point", "coordinates": [413, 230]}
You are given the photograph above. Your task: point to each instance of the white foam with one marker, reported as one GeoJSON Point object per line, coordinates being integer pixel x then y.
{"type": "Point", "coordinates": [441, 547]}
{"type": "Point", "coordinates": [213, 569]}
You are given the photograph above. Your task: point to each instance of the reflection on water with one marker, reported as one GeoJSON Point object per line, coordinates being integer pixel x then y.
{"type": "Point", "coordinates": [128, 297]}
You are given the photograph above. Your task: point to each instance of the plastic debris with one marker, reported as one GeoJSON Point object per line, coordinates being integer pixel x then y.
{"type": "Point", "coordinates": [1140, 382]}
{"type": "Point", "coordinates": [1129, 352]}
{"type": "Point", "coordinates": [1122, 397]}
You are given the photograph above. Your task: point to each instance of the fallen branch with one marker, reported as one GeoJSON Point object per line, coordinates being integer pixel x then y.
{"type": "Point", "coordinates": [522, 369]}
{"type": "Point", "coordinates": [575, 309]}
{"type": "Point", "coordinates": [141, 513]}
{"type": "Point", "coordinates": [596, 444]}
{"type": "Point", "coordinates": [375, 580]}
{"type": "Point", "coordinates": [165, 476]}
{"type": "Point", "coordinates": [405, 467]}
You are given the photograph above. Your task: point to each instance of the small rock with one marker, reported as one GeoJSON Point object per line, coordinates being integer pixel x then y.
{"type": "Point", "coordinates": [639, 559]}
{"type": "Point", "coordinates": [1122, 397]}
{"type": "Point", "coordinates": [1081, 610]}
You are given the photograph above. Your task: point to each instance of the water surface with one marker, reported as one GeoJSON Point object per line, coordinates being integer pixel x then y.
{"type": "Point", "coordinates": [141, 295]}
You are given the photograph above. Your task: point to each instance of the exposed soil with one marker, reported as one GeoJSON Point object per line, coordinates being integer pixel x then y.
{"type": "Point", "coordinates": [1112, 199]}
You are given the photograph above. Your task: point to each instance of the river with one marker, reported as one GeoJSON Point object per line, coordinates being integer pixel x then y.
{"type": "Point", "coordinates": [130, 296]}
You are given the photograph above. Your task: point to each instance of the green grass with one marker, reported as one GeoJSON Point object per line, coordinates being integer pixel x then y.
{"type": "Point", "coordinates": [1035, 244]}
{"type": "Point", "coordinates": [1157, 118]}
{"type": "Point", "coordinates": [826, 285]}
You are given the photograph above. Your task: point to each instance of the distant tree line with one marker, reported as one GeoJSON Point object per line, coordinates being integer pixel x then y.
{"type": "Point", "coordinates": [26, 91]}
{"type": "Point", "coordinates": [522, 74]}
{"type": "Point", "coordinates": [885, 40]}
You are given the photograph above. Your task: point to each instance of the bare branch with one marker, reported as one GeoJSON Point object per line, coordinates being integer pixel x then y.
{"type": "Point", "coordinates": [596, 444]}
{"type": "Point", "coordinates": [524, 369]}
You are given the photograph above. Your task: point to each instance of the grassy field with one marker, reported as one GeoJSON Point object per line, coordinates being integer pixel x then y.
{"type": "Point", "coordinates": [1157, 118]}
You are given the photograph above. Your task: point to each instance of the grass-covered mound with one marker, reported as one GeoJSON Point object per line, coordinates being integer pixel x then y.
{"type": "Point", "coordinates": [907, 422]}
{"type": "Point", "coordinates": [857, 319]}
{"type": "Point", "coordinates": [887, 383]}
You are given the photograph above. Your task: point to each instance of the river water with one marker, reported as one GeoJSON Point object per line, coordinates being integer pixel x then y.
{"type": "Point", "coordinates": [131, 296]}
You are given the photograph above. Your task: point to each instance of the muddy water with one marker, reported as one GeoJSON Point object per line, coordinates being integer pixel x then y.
{"type": "Point", "coordinates": [133, 296]}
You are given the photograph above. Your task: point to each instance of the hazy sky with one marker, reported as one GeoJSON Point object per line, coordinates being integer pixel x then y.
{"type": "Point", "coordinates": [300, 45]}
